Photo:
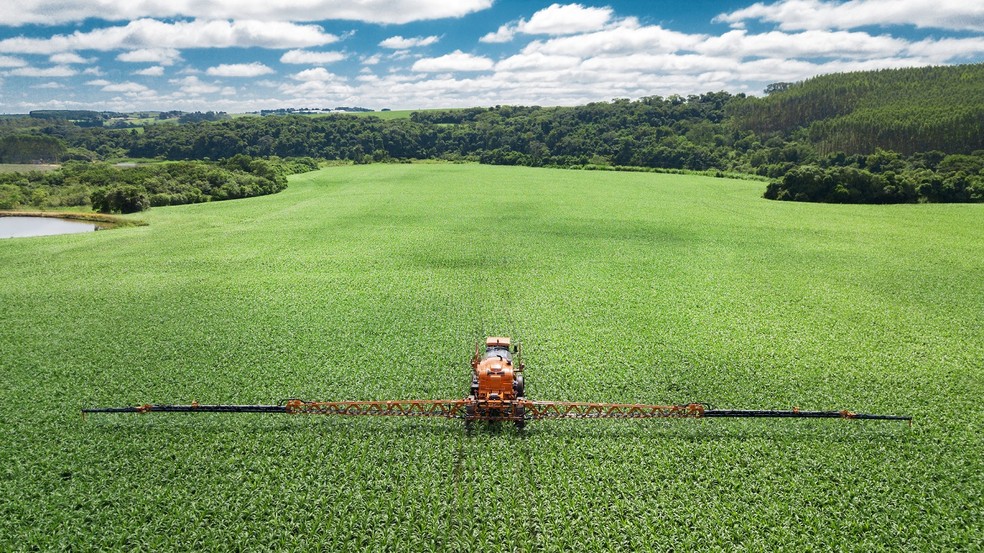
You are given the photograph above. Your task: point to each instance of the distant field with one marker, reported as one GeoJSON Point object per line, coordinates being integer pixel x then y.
{"type": "Point", "coordinates": [25, 167]}
{"type": "Point", "coordinates": [374, 282]}
{"type": "Point", "coordinates": [398, 114]}
{"type": "Point", "coordinates": [395, 114]}
{"type": "Point", "coordinates": [402, 114]}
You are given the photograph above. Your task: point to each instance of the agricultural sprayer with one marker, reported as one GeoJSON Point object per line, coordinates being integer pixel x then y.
{"type": "Point", "coordinates": [497, 393]}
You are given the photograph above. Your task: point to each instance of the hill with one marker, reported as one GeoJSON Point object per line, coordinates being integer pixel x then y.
{"type": "Point", "coordinates": [868, 137]}
{"type": "Point", "coordinates": [904, 110]}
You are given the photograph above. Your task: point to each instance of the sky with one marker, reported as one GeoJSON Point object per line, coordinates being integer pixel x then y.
{"type": "Point", "coordinates": [247, 55]}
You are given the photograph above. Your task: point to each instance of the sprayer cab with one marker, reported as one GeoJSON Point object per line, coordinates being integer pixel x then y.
{"type": "Point", "coordinates": [496, 376]}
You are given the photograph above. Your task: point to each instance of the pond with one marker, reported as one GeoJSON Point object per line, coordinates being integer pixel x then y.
{"type": "Point", "coordinates": [19, 227]}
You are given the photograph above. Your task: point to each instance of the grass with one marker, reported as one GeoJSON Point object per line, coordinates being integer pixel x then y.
{"type": "Point", "coordinates": [27, 167]}
{"type": "Point", "coordinates": [387, 115]}
{"type": "Point", "coordinates": [106, 221]}
{"type": "Point", "coordinates": [374, 282]}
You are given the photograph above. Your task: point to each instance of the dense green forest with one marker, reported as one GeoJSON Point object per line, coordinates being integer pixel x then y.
{"type": "Point", "coordinates": [905, 110]}
{"type": "Point", "coordinates": [901, 132]}
{"type": "Point", "coordinates": [886, 177]}
{"type": "Point", "coordinates": [126, 189]}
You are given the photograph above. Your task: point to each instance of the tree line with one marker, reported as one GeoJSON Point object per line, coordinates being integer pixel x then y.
{"type": "Point", "coordinates": [126, 189]}
{"type": "Point", "coordinates": [840, 125]}
{"type": "Point", "coordinates": [885, 177]}
{"type": "Point", "coordinates": [674, 132]}
{"type": "Point", "coordinates": [907, 110]}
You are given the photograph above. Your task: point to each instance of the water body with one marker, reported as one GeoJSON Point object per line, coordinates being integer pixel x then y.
{"type": "Point", "coordinates": [19, 227]}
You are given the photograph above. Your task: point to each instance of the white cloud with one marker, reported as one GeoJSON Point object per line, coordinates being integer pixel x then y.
{"type": "Point", "coordinates": [628, 59]}
{"type": "Point", "coordinates": [127, 88]}
{"type": "Point", "coordinates": [947, 49]}
{"type": "Point", "coordinates": [627, 37]}
{"type": "Point", "coordinates": [537, 61]}
{"type": "Point", "coordinates": [66, 58]}
{"type": "Point", "coordinates": [193, 86]}
{"type": "Point", "coordinates": [504, 34]}
{"type": "Point", "coordinates": [9, 61]}
{"type": "Point", "coordinates": [580, 54]}
{"type": "Point", "coordinates": [59, 103]}
{"type": "Point", "coordinates": [311, 58]}
{"type": "Point", "coordinates": [315, 74]}
{"type": "Point", "coordinates": [566, 20]}
{"type": "Point", "coordinates": [254, 69]}
{"type": "Point", "coordinates": [658, 64]}
{"type": "Point", "coordinates": [152, 71]}
{"type": "Point", "coordinates": [163, 56]}
{"type": "Point", "coordinates": [319, 91]}
{"type": "Point", "coordinates": [967, 15]}
{"type": "Point", "coordinates": [57, 71]}
{"type": "Point", "coordinates": [555, 20]}
{"type": "Point", "coordinates": [810, 44]}
{"type": "Point", "coordinates": [48, 12]}
{"type": "Point", "coordinates": [399, 43]}
{"type": "Point", "coordinates": [765, 70]}
{"type": "Point", "coordinates": [153, 34]}
{"type": "Point", "coordinates": [50, 85]}
{"type": "Point", "coordinates": [455, 61]}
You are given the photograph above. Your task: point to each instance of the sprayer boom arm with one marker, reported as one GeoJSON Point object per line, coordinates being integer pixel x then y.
{"type": "Point", "coordinates": [497, 393]}
{"type": "Point", "coordinates": [472, 409]}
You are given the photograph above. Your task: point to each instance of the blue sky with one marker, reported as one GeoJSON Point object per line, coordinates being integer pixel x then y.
{"type": "Point", "coordinates": [246, 55]}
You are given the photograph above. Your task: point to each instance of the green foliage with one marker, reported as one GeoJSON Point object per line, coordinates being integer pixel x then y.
{"type": "Point", "coordinates": [906, 110]}
{"type": "Point", "coordinates": [675, 132]}
{"type": "Point", "coordinates": [78, 154]}
{"type": "Point", "coordinates": [885, 177]}
{"type": "Point", "coordinates": [902, 121]}
{"type": "Point", "coordinates": [69, 114]}
{"type": "Point", "coordinates": [10, 196]}
{"type": "Point", "coordinates": [120, 199]}
{"type": "Point", "coordinates": [27, 148]}
{"type": "Point", "coordinates": [198, 117]}
{"type": "Point", "coordinates": [374, 282]}
{"type": "Point", "coordinates": [112, 188]}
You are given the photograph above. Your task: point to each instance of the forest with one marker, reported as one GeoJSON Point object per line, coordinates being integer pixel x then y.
{"type": "Point", "coordinates": [891, 136]}
{"type": "Point", "coordinates": [128, 188]}
{"type": "Point", "coordinates": [904, 110]}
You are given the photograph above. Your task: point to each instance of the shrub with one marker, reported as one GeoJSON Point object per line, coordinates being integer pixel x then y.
{"type": "Point", "coordinates": [120, 199]}
{"type": "Point", "coordinates": [10, 196]}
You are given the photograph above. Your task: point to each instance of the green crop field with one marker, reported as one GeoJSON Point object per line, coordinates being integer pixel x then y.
{"type": "Point", "coordinates": [374, 282]}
